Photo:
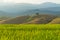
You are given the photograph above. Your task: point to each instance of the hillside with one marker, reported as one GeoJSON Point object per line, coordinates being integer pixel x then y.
{"type": "Point", "coordinates": [16, 20]}
{"type": "Point", "coordinates": [41, 19]}
{"type": "Point", "coordinates": [35, 19]}
{"type": "Point", "coordinates": [55, 21]}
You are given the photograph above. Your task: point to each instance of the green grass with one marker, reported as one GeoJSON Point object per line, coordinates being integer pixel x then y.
{"type": "Point", "coordinates": [29, 31]}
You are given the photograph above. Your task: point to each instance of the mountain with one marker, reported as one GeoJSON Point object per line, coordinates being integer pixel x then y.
{"type": "Point", "coordinates": [2, 13]}
{"type": "Point", "coordinates": [19, 9]}
{"type": "Point", "coordinates": [49, 4]}
{"type": "Point", "coordinates": [51, 10]}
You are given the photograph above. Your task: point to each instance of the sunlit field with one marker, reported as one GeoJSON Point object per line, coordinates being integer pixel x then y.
{"type": "Point", "coordinates": [29, 31]}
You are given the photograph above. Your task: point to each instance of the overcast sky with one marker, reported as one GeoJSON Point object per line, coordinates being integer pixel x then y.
{"type": "Point", "coordinates": [30, 1]}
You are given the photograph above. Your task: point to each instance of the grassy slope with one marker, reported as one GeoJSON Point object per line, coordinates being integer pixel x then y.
{"type": "Point", "coordinates": [16, 20]}
{"type": "Point", "coordinates": [30, 32]}
{"type": "Point", "coordinates": [39, 19]}
{"type": "Point", "coordinates": [55, 21]}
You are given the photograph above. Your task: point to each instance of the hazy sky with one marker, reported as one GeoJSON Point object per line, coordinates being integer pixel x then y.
{"type": "Point", "coordinates": [31, 1]}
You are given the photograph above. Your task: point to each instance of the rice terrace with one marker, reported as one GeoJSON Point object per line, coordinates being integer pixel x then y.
{"type": "Point", "coordinates": [30, 32]}
{"type": "Point", "coordinates": [29, 19]}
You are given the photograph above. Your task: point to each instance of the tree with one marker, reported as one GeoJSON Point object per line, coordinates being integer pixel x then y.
{"type": "Point", "coordinates": [37, 14]}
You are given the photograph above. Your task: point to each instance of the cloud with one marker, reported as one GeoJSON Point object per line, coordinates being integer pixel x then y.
{"type": "Point", "coordinates": [30, 1]}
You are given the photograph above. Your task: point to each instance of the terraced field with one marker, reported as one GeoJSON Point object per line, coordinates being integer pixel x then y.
{"type": "Point", "coordinates": [35, 19]}
{"type": "Point", "coordinates": [55, 21]}
{"type": "Point", "coordinates": [30, 32]}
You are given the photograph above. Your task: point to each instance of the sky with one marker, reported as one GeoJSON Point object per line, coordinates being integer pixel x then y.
{"type": "Point", "coordinates": [30, 1]}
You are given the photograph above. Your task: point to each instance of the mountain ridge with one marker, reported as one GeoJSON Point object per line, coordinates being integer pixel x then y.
{"type": "Point", "coordinates": [21, 9]}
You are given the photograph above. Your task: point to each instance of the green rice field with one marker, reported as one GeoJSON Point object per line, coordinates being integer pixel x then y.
{"type": "Point", "coordinates": [29, 31]}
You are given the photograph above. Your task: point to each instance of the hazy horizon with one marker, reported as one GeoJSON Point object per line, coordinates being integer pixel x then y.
{"type": "Point", "coordinates": [30, 1]}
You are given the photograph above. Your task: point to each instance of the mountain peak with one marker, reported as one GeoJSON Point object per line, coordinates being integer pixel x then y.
{"type": "Point", "coordinates": [48, 3]}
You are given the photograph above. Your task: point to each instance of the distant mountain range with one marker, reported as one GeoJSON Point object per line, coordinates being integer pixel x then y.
{"type": "Point", "coordinates": [18, 9]}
